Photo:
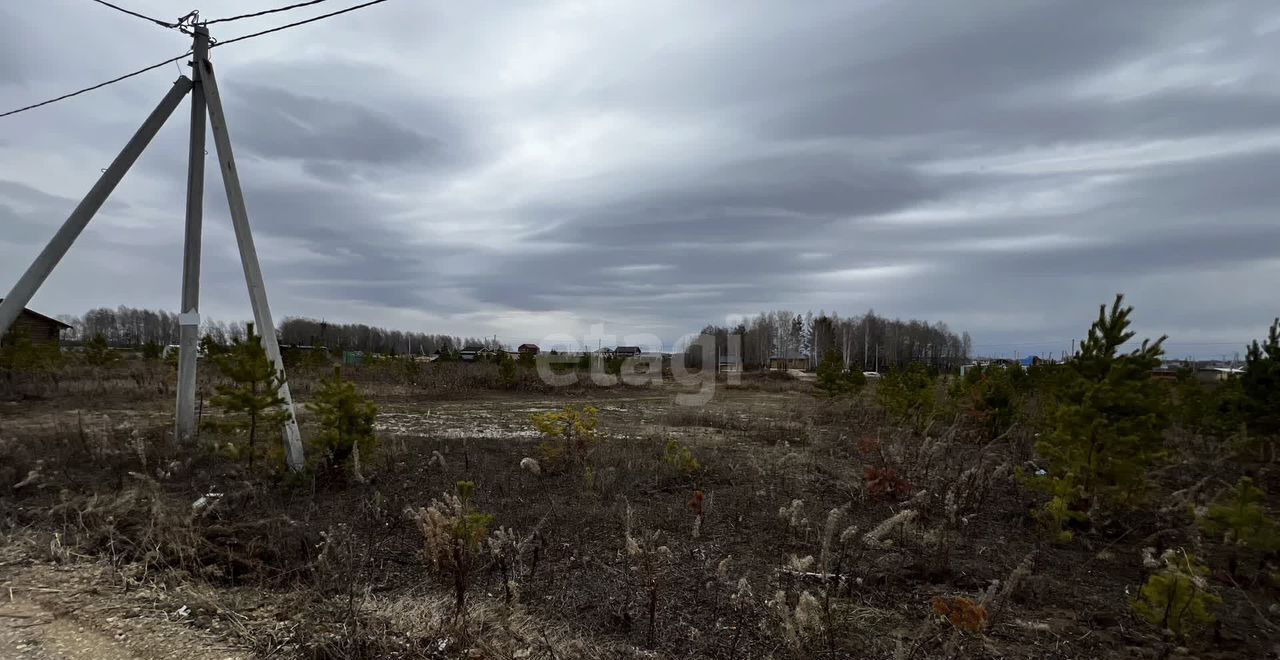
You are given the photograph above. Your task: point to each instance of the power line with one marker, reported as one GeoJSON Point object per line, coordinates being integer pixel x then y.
{"type": "Point", "coordinates": [134, 13]}
{"type": "Point", "coordinates": [297, 23]}
{"type": "Point", "coordinates": [175, 59]}
{"type": "Point", "coordinates": [97, 86]}
{"type": "Point", "coordinates": [264, 12]}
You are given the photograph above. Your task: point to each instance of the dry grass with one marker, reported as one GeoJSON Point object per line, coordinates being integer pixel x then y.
{"type": "Point", "coordinates": [300, 567]}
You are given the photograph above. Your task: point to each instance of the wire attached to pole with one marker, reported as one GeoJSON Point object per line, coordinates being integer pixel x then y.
{"type": "Point", "coordinates": [144, 17]}
{"type": "Point", "coordinates": [297, 23]}
{"type": "Point", "coordinates": [264, 12]}
{"type": "Point", "coordinates": [184, 22]}
{"type": "Point", "coordinates": [97, 86]}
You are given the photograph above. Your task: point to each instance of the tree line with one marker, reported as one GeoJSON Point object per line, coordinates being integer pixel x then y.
{"type": "Point", "coordinates": [128, 327]}
{"type": "Point", "coordinates": [362, 337]}
{"type": "Point", "coordinates": [867, 342]}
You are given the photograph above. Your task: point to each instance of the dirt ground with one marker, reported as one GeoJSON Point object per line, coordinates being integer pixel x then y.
{"type": "Point", "coordinates": [74, 612]}
{"type": "Point", "coordinates": [334, 570]}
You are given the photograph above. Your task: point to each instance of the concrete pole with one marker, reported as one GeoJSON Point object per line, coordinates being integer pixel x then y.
{"type": "Point", "coordinates": [249, 255]}
{"type": "Point", "coordinates": [189, 319]}
{"type": "Point", "coordinates": [39, 270]}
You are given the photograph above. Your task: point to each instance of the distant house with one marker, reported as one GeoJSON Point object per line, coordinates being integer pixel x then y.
{"type": "Point", "coordinates": [527, 349]}
{"type": "Point", "coordinates": [789, 360]}
{"type": "Point", "coordinates": [627, 351]}
{"type": "Point", "coordinates": [1217, 374]}
{"type": "Point", "coordinates": [471, 352]}
{"type": "Point", "coordinates": [40, 329]}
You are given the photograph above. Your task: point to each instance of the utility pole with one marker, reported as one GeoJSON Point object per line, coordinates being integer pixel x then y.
{"type": "Point", "coordinates": [249, 255]}
{"type": "Point", "coordinates": [189, 317]}
{"type": "Point", "coordinates": [39, 270]}
{"type": "Point", "coordinates": [205, 101]}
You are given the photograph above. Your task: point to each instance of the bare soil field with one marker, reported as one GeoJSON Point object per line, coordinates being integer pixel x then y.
{"type": "Point", "coordinates": [784, 537]}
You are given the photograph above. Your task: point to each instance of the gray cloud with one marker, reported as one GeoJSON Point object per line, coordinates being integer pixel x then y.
{"type": "Point", "coordinates": [1001, 166]}
{"type": "Point", "coordinates": [12, 59]}
{"type": "Point", "coordinates": [276, 123]}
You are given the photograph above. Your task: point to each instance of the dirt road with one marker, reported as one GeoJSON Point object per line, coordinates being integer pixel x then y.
{"type": "Point", "coordinates": [73, 613]}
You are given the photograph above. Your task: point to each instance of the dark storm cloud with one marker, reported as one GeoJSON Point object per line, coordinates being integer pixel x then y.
{"type": "Point", "coordinates": [1001, 166]}
{"type": "Point", "coordinates": [336, 222]}
{"type": "Point", "coordinates": [1010, 79]}
{"type": "Point", "coordinates": [812, 185]}
{"type": "Point", "coordinates": [1192, 193]}
{"type": "Point", "coordinates": [276, 123]}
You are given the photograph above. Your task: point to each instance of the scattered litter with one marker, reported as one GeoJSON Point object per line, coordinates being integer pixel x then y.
{"type": "Point", "coordinates": [1038, 626]}
{"type": "Point", "coordinates": [205, 500]}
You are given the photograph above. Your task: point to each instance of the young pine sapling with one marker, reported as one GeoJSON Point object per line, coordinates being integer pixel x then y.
{"type": "Point", "coordinates": [1107, 423]}
{"type": "Point", "coordinates": [251, 398]}
{"type": "Point", "coordinates": [571, 435]}
{"type": "Point", "coordinates": [1177, 598]}
{"type": "Point", "coordinates": [1240, 519]}
{"type": "Point", "coordinates": [346, 420]}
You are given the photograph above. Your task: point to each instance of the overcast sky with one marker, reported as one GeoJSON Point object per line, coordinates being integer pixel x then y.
{"type": "Point", "coordinates": [522, 169]}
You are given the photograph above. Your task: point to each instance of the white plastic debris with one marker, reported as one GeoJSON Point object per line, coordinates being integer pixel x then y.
{"type": "Point", "coordinates": [205, 500]}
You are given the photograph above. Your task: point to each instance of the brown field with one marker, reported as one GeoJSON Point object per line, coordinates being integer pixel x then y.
{"type": "Point", "coordinates": [102, 547]}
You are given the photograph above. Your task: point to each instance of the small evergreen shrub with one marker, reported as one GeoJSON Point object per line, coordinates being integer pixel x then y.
{"type": "Point", "coordinates": [834, 380]}
{"type": "Point", "coordinates": [1215, 411]}
{"type": "Point", "coordinates": [152, 350]}
{"type": "Point", "coordinates": [1106, 427]}
{"type": "Point", "coordinates": [1177, 598]}
{"type": "Point", "coordinates": [1261, 389]}
{"type": "Point", "coordinates": [251, 399]}
{"type": "Point", "coordinates": [506, 370]}
{"type": "Point", "coordinates": [995, 398]}
{"type": "Point", "coordinates": [570, 433]}
{"type": "Point", "coordinates": [97, 353]}
{"type": "Point", "coordinates": [907, 395]}
{"type": "Point", "coordinates": [1240, 519]}
{"type": "Point", "coordinates": [680, 458]}
{"type": "Point", "coordinates": [1056, 516]}
{"type": "Point", "coordinates": [347, 421]}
